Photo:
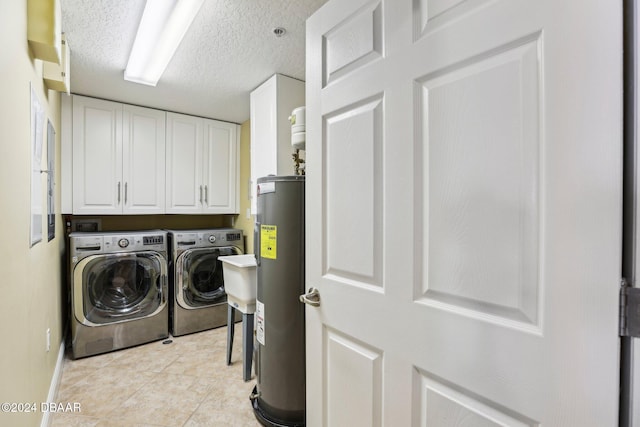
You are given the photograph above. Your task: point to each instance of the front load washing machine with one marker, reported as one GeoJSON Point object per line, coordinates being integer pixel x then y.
{"type": "Point", "coordinates": [119, 290]}
{"type": "Point", "coordinates": [197, 295]}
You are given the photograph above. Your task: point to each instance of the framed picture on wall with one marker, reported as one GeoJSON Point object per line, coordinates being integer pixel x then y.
{"type": "Point", "coordinates": [37, 139]}
{"type": "Point", "coordinates": [51, 164]}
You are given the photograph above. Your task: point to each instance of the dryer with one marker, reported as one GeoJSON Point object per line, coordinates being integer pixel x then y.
{"type": "Point", "coordinates": [119, 290]}
{"type": "Point", "coordinates": [197, 297]}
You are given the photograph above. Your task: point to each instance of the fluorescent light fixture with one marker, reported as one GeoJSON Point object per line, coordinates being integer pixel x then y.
{"type": "Point", "coordinates": [162, 27]}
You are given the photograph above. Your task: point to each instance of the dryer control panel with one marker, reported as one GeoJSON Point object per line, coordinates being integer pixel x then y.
{"type": "Point", "coordinates": [187, 239]}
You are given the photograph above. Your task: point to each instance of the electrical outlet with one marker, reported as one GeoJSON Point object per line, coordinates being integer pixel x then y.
{"type": "Point", "coordinates": [48, 339]}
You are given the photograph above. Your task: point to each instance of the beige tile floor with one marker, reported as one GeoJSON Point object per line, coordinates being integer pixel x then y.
{"type": "Point", "coordinates": [185, 383]}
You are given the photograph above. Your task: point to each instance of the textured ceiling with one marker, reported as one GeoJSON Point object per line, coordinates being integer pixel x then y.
{"type": "Point", "coordinates": [229, 50]}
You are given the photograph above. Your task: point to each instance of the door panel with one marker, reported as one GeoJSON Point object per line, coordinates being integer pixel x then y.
{"type": "Point", "coordinates": [353, 43]}
{"type": "Point", "coordinates": [218, 151]}
{"type": "Point", "coordinates": [441, 404]}
{"type": "Point", "coordinates": [480, 182]}
{"type": "Point", "coordinates": [220, 167]}
{"type": "Point", "coordinates": [463, 212]}
{"type": "Point", "coordinates": [363, 397]}
{"type": "Point", "coordinates": [353, 244]}
{"type": "Point", "coordinates": [143, 160]}
{"type": "Point", "coordinates": [97, 154]}
{"type": "Point", "coordinates": [184, 164]}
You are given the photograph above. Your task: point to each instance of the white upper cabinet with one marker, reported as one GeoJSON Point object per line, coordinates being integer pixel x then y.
{"type": "Point", "coordinates": [202, 165]}
{"type": "Point", "coordinates": [221, 167]}
{"type": "Point", "coordinates": [184, 164]}
{"type": "Point", "coordinates": [122, 159]}
{"type": "Point", "coordinates": [118, 156]}
{"type": "Point", "coordinates": [271, 149]}
{"type": "Point", "coordinates": [97, 156]}
{"type": "Point", "coordinates": [143, 160]}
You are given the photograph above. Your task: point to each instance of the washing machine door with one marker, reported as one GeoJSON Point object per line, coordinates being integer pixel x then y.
{"type": "Point", "coordinates": [114, 288]}
{"type": "Point", "coordinates": [200, 282]}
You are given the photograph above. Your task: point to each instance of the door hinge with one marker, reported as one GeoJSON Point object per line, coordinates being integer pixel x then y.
{"type": "Point", "coordinates": [629, 310]}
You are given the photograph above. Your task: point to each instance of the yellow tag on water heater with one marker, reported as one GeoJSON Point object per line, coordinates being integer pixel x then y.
{"type": "Point", "coordinates": [268, 241]}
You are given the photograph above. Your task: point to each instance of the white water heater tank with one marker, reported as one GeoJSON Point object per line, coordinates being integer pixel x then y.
{"type": "Point", "coordinates": [298, 136]}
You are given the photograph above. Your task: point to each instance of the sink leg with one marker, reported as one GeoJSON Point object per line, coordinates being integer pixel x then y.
{"type": "Point", "coordinates": [230, 331]}
{"type": "Point", "coordinates": [247, 345]}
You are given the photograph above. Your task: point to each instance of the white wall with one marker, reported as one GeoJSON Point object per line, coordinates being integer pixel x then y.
{"type": "Point", "coordinates": [31, 284]}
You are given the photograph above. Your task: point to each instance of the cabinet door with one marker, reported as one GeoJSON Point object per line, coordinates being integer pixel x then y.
{"type": "Point", "coordinates": [97, 156]}
{"type": "Point", "coordinates": [220, 168]}
{"type": "Point", "coordinates": [143, 160]}
{"type": "Point", "coordinates": [264, 154]}
{"type": "Point", "coordinates": [271, 106]}
{"type": "Point", "coordinates": [185, 191]}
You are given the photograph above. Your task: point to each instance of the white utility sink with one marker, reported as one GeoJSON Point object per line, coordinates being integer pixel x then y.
{"type": "Point", "coordinates": [240, 281]}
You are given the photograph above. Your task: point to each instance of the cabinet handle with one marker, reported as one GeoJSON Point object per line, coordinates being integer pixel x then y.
{"type": "Point", "coordinates": [118, 192]}
{"type": "Point", "coordinates": [206, 195]}
{"type": "Point", "coordinates": [125, 193]}
{"type": "Point", "coordinates": [201, 194]}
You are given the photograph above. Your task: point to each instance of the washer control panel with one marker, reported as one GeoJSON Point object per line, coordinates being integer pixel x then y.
{"type": "Point", "coordinates": [117, 242]}
{"type": "Point", "coordinates": [235, 236]}
{"type": "Point", "coordinates": [153, 240]}
{"type": "Point", "coordinates": [83, 244]}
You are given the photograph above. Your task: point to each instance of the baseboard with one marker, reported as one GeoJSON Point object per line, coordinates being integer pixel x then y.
{"type": "Point", "coordinates": [55, 384]}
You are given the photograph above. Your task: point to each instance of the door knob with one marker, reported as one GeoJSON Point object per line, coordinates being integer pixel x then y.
{"type": "Point", "coordinates": [312, 297]}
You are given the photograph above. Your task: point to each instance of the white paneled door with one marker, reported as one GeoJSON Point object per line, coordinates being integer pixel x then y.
{"type": "Point", "coordinates": [464, 181]}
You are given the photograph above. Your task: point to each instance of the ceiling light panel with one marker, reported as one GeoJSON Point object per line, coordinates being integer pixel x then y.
{"type": "Point", "coordinates": [162, 27]}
